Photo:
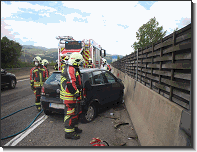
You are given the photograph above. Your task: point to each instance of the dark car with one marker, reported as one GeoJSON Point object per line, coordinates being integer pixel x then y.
{"type": "Point", "coordinates": [8, 79]}
{"type": "Point", "coordinates": [100, 89]}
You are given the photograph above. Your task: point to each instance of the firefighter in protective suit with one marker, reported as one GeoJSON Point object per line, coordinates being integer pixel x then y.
{"type": "Point", "coordinates": [45, 63]}
{"type": "Point", "coordinates": [38, 76]}
{"type": "Point", "coordinates": [70, 94]}
{"type": "Point", "coordinates": [64, 60]}
{"type": "Point", "coordinates": [90, 64]}
{"type": "Point", "coordinates": [105, 65]}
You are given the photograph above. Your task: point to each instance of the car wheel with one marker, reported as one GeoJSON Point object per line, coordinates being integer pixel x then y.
{"type": "Point", "coordinates": [12, 84]}
{"type": "Point", "coordinates": [47, 112]}
{"type": "Point", "coordinates": [89, 115]}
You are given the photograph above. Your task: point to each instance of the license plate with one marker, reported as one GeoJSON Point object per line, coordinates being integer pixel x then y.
{"type": "Point", "coordinates": [56, 106]}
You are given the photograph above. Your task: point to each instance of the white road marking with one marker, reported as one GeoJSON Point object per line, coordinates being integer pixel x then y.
{"type": "Point", "coordinates": [22, 80]}
{"type": "Point", "coordinates": [22, 135]}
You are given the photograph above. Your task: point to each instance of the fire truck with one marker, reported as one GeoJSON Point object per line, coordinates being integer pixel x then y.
{"type": "Point", "coordinates": [87, 47]}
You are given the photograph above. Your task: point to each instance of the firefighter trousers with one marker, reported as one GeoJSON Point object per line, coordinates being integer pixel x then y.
{"type": "Point", "coordinates": [37, 93]}
{"type": "Point", "coordinates": [70, 117]}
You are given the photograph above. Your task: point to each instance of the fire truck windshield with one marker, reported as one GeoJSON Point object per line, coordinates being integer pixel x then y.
{"type": "Point", "coordinates": [73, 45]}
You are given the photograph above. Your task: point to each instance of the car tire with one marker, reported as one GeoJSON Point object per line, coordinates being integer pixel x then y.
{"type": "Point", "coordinates": [12, 84]}
{"type": "Point", "coordinates": [47, 112]}
{"type": "Point", "coordinates": [90, 114]}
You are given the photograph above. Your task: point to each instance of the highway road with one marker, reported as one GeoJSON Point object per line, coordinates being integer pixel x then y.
{"type": "Point", "coordinates": [49, 130]}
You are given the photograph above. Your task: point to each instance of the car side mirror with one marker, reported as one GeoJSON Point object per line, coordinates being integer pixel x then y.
{"type": "Point", "coordinates": [88, 85]}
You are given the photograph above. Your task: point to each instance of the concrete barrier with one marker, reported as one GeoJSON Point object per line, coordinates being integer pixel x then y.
{"type": "Point", "coordinates": [156, 119]}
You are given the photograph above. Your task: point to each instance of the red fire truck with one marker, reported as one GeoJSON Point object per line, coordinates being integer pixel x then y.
{"type": "Point", "coordinates": [88, 48]}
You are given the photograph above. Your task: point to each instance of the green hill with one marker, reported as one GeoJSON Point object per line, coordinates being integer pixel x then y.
{"type": "Point", "coordinates": [29, 52]}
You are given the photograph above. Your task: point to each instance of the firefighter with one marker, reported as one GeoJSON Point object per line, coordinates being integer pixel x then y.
{"type": "Point", "coordinates": [90, 64]}
{"type": "Point", "coordinates": [64, 60]}
{"type": "Point", "coordinates": [105, 65]}
{"type": "Point", "coordinates": [45, 63]}
{"type": "Point", "coordinates": [38, 76]}
{"type": "Point", "coordinates": [56, 65]}
{"type": "Point", "coordinates": [70, 94]}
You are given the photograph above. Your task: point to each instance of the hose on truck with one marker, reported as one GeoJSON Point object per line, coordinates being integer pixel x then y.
{"type": "Point", "coordinates": [26, 127]}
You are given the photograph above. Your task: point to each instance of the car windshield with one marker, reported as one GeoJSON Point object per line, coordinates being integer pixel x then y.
{"type": "Point", "coordinates": [54, 79]}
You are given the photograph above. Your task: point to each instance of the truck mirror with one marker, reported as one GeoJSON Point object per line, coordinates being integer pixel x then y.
{"type": "Point", "coordinates": [104, 53]}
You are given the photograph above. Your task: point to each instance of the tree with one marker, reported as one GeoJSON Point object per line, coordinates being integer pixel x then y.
{"type": "Point", "coordinates": [148, 33]}
{"type": "Point", "coordinates": [10, 52]}
{"type": "Point", "coordinates": [118, 57]}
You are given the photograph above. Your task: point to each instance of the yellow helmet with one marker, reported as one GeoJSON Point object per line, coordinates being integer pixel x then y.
{"type": "Point", "coordinates": [75, 58]}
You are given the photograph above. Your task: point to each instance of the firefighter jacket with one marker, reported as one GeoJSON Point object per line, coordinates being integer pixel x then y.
{"type": "Point", "coordinates": [38, 75]}
{"type": "Point", "coordinates": [46, 70]}
{"type": "Point", "coordinates": [91, 65]}
{"type": "Point", "coordinates": [70, 83]}
{"type": "Point", "coordinates": [106, 67]}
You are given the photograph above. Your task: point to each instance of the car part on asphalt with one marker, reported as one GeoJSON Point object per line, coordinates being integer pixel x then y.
{"type": "Point", "coordinates": [97, 142]}
{"type": "Point", "coordinates": [117, 126]}
{"type": "Point", "coordinates": [26, 127]}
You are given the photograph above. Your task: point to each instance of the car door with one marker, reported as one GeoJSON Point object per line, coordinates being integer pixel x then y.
{"type": "Point", "coordinates": [99, 88]}
{"type": "Point", "coordinates": [114, 86]}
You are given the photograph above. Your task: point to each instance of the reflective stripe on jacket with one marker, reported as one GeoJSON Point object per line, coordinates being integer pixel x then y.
{"type": "Point", "coordinates": [38, 76]}
{"type": "Point", "coordinates": [70, 82]}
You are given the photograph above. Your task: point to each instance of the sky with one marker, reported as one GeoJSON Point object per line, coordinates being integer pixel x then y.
{"type": "Point", "coordinates": [112, 24]}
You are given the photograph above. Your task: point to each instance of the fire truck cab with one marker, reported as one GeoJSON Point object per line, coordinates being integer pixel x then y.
{"type": "Point", "coordinates": [88, 48]}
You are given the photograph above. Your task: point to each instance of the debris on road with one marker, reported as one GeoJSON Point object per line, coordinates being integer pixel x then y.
{"type": "Point", "coordinates": [123, 144]}
{"type": "Point", "coordinates": [111, 114]}
{"type": "Point", "coordinates": [117, 126]}
{"type": "Point", "coordinates": [112, 117]}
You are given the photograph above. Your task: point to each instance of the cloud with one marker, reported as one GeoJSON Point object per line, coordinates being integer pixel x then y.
{"type": "Point", "coordinates": [124, 26]}
{"type": "Point", "coordinates": [112, 24]}
{"type": "Point", "coordinates": [80, 20]}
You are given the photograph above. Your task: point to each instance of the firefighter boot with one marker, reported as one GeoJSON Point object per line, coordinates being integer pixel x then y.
{"type": "Point", "coordinates": [38, 108]}
{"type": "Point", "coordinates": [77, 130]}
{"type": "Point", "coordinates": [72, 135]}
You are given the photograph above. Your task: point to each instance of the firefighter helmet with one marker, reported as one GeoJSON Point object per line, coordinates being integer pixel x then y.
{"type": "Point", "coordinates": [104, 61]}
{"type": "Point", "coordinates": [66, 57]}
{"type": "Point", "coordinates": [75, 58]}
{"type": "Point", "coordinates": [38, 59]}
{"type": "Point", "coordinates": [90, 59]}
{"type": "Point", "coordinates": [45, 62]}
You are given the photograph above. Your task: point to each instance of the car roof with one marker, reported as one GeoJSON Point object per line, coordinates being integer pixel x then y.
{"type": "Point", "coordinates": [84, 70]}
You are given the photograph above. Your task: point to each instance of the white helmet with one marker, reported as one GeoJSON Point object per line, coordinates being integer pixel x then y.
{"type": "Point", "coordinates": [37, 58]}
{"type": "Point", "coordinates": [75, 58]}
{"type": "Point", "coordinates": [104, 61]}
{"type": "Point", "coordinates": [45, 62]}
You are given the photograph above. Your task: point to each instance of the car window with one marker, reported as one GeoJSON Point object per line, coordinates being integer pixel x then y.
{"type": "Point", "coordinates": [109, 77]}
{"type": "Point", "coordinates": [54, 79]}
{"type": "Point", "coordinates": [98, 77]}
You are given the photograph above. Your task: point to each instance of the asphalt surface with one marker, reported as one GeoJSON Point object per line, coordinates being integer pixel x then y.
{"type": "Point", "coordinates": [49, 130]}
